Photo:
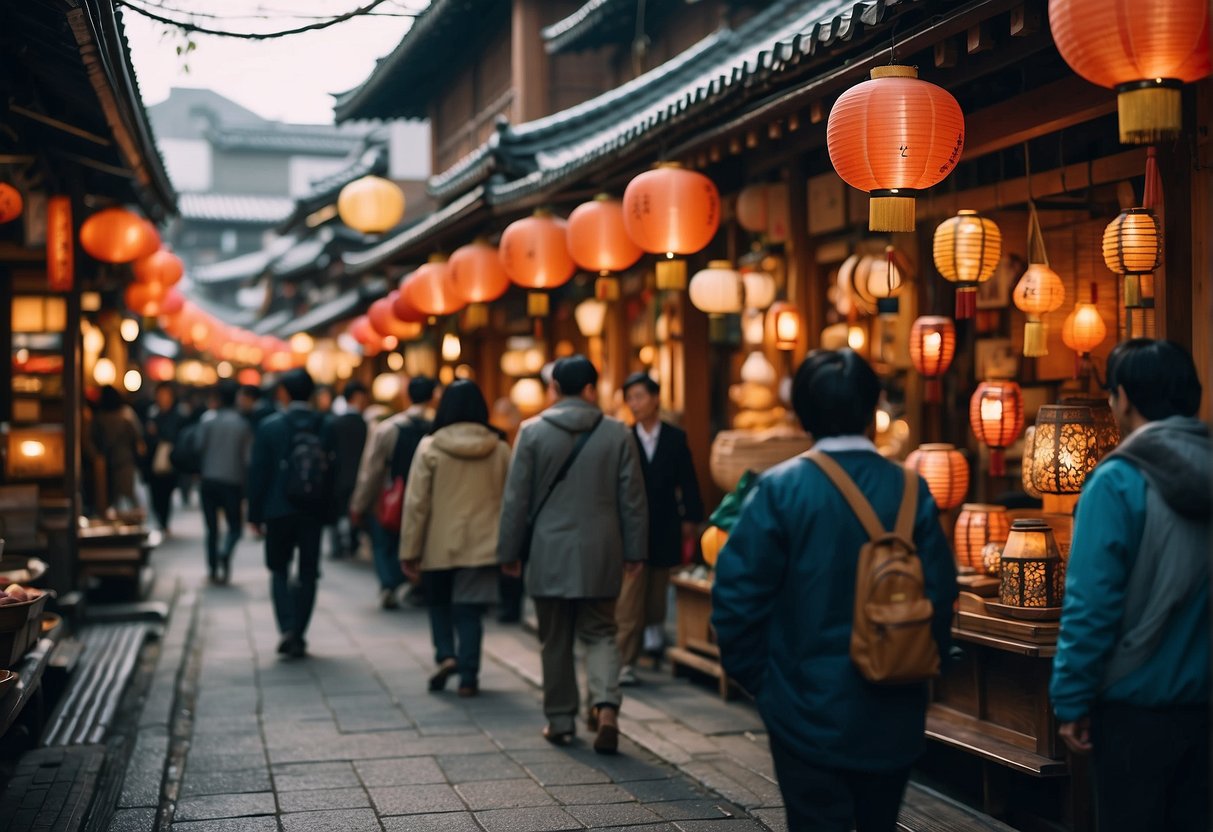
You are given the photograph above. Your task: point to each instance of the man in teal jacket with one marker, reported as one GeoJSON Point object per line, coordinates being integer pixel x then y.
{"type": "Point", "coordinates": [1131, 677]}
{"type": "Point", "coordinates": [783, 603]}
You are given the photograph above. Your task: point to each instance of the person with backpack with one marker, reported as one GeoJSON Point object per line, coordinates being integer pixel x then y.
{"type": "Point", "coordinates": [224, 444]}
{"type": "Point", "coordinates": [832, 604]}
{"type": "Point", "coordinates": [290, 494]}
{"type": "Point", "coordinates": [1130, 680]}
{"type": "Point", "coordinates": [162, 425]}
{"type": "Point", "coordinates": [380, 488]}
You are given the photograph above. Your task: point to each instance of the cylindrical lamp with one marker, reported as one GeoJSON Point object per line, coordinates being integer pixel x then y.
{"type": "Point", "coordinates": [1032, 571]}
{"type": "Point", "coordinates": [966, 249]}
{"type": "Point", "coordinates": [978, 525]}
{"type": "Point", "coordinates": [946, 471]}
{"type": "Point", "coordinates": [1132, 247]}
{"type": "Point", "coordinates": [996, 416]}
{"type": "Point", "coordinates": [932, 348]}
{"type": "Point", "coordinates": [783, 322]}
{"type": "Point", "coordinates": [1065, 448]}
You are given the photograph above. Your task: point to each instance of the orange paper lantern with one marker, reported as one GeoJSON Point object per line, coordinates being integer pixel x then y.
{"type": "Point", "coordinates": [894, 136]}
{"type": "Point", "coordinates": [477, 272]}
{"type": "Point", "coordinates": [384, 321]}
{"type": "Point", "coordinates": [1084, 328]}
{"type": "Point", "coordinates": [403, 309]}
{"type": "Point", "coordinates": [431, 289]}
{"type": "Point", "coordinates": [160, 266]}
{"type": "Point", "coordinates": [1143, 51]}
{"type": "Point", "coordinates": [932, 348]}
{"type": "Point", "coordinates": [11, 203]}
{"type": "Point", "coordinates": [966, 250]}
{"type": "Point", "coordinates": [534, 252]}
{"type": "Point", "coordinates": [60, 247]}
{"type": "Point", "coordinates": [599, 242]}
{"type": "Point", "coordinates": [172, 304]}
{"type": "Point", "coordinates": [116, 235]}
{"type": "Point", "coordinates": [976, 526]}
{"type": "Point", "coordinates": [363, 333]}
{"type": "Point", "coordinates": [946, 471]}
{"type": "Point", "coordinates": [371, 204]}
{"type": "Point", "coordinates": [1039, 292]}
{"type": "Point", "coordinates": [996, 416]}
{"type": "Point", "coordinates": [671, 211]}
{"type": "Point", "coordinates": [145, 298]}
{"type": "Point", "coordinates": [783, 322]}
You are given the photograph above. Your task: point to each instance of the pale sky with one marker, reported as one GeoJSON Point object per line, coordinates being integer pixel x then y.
{"type": "Point", "coordinates": [290, 78]}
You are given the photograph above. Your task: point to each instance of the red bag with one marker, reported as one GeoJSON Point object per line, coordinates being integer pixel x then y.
{"type": "Point", "coordinates": [391, 502]}
{"type": "Point", "coordinates": [391, 506]}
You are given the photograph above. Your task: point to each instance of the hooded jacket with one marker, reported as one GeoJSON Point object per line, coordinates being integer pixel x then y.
{"type": "Point", "coordinates": [595, 519]}
{"type": "Point", "coordinates": [1135, 620]}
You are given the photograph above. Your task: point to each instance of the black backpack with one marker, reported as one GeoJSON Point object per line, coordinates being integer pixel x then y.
{"type": "Point", "coordinates": [309, 468]}
{"type": "Point", "coordinates": [186, 455]}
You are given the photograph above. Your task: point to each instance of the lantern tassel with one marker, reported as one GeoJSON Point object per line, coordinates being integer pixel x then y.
{"type": "Point", "coordinates": [966, 303]}
{"type": "Point", "coordinates": [933, 392]}
{"type": "Point", "coordinates": [1133, 291]}
{"type": "Point", "coordinates": [537, 304]}
{"type": "Point", "coordinates": [671, 275]}
{"type": "Point", "coordinates": [891, 213]}
{"type": "Point", "coordinates": [1150, 114]}
{"type": "Point", "coordinates": [1035, 338]}
{"type": "Point", "coordinates": [998, 463]}
{"type": "Point", "coordinates": [606, 288]}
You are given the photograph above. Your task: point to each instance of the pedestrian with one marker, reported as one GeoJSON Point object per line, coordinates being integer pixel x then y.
{"type": "Point", "coordinates": [267, 404]}
{"type": "Point", "coordinates": [290, 493]}
{"type": "Point", "coordinates": [163, 424]}
{"type": "Point", "coordinates": [118, 440]}
{"type": "Point", "coordinates": [384, 468]}
{"type": "Point", "coordinates": [1131, 676]}
{"type": "Point", "coordinates": [322, 399]}
{"type": "Point", "coordinates": [246, 402]}
{"type": "Point", "coordinates": [349, 438]}
{"type": "Point", "coordinates": [448, 535]}
{"type": "Point", "coordinates": [675, 510]}
{"type": "Point", "coordinates": [784, 606]}
{"type": "Point", "coordinates": [575, 511]}
{"type": "Point", "coordinates": [225, 443]}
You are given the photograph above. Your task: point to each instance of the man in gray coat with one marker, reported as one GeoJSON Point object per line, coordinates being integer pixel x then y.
{"type": "Point", "coordinates": [586, 529]}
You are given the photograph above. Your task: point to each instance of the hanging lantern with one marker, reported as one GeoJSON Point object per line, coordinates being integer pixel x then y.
{"type": "Point", "coordinates": [1107, 431]}
{"type": "Point", "coordinates": [477, 273]}
{"type": "Point", "coordinates": [752, 209]}
{"type": "Point", "coordinates": [11, 203]}
{"type": "Point", "coordinates": [932, 347]}
{"type": "Point", "coordinates": [966, 249]}
{"type": "Point", "coordinates": [1084, 329]}
{"type": "Point", "coordinates": [60, 247]}
{"type": "Point", "coordinates": [1065, 448]}
{"type": "Point", "coordinates": [783, 322]}
{"type": "Point", "coordinates": [718, 289]}
{"type": "Point", "coordinates": [1029, 447]}
{"type": "Point", "coordinates": [598, 242]}
{"type": "Point", "coordinates": [431, 290]}
{"type": "Point", "coordinates": [451, 347]}
{"type": "Point", "coordinates": [535, 255]}
{"type": "Point", "coordinates": [403, 309]}
{"type": "Point", "coordinates": [116, 235]}
{"type": "Point", "coordinates": [371, 204]}
{"type": "Point", "coordinates": [144, 298]}
{"type": "Point", "coordinates": [1145, 53]}
{"type": "Point", "coordinates": [671, 211]}
{"type": "Point", "coordinates": [590, 316]}
{"type": "Point", "coordinates": [884, 282]}
{"type": "Point", "coordinates": [383, 320]}
{"type": "Point", "coordinates": [363, 332]}
{"type": "Point", "coordinates": [1132, 247]}
{"type": "Point", "coordinates": [1037, 293]}
{"type": "Point", "coordinates": [160, 266]}
{"type": "Point", "coordinates": [173, 303]}
{"type": "Point", "coordinates": [996, 416]}
{"type": "Point", "coordinates": [760, 289]}
{"type": "Point", "coordinates": [946, 471]}
{"type": "Point", "coordinates": [528, 395]}
{"type": "Point", "coordinates": [977, 526]}
{"type": "Point", "coordinates": [1032, 571]}
{"type": "Point", "coordinates": [894, 136]}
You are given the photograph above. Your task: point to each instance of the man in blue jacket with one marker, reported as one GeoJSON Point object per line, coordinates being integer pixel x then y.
{"type": "Point", "coordinates": [1131, 677]}
{"type": "Point", "coordinates": [784, 599]}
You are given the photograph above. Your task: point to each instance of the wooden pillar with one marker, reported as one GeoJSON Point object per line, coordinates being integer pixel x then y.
{"type": "Point", "coordinates": [1202, 252]}
{"type": "Point", "coordinates": [697, 396]}
{"type": "Point", "coordinates": [1177, 169]}
{"type": "Point", "coordinates": [528, 63]}
{"type": "Point", "coordinates": [803, 277]}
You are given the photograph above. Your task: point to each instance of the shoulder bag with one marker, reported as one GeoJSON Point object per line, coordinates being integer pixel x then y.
{"type": "Point", "coordinates": [560, 475]}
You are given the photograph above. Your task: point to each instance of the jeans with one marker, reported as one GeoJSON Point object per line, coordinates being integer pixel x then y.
{"type": "Point", "coordinates": [228, 498]}
{"type": "Point", "coordinates": [457, 629]}
{"type": "Point", "coordinates": [836, 800]}
{"type": "Point", "coordinates": [385, 547]}
{"type": "Point", "coordinates": [161, 487]}
{"type": "Point", "coordinates": [293, 602]}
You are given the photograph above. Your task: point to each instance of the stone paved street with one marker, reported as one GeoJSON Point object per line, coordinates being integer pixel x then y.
{"type": "Point", "coordinates": [350, 739]}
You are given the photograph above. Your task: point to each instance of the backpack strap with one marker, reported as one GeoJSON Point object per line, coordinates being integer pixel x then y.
{"type": "Point", "coordinates": [850, 492]}
{"type": "Point", "coordinates": [908, 512]}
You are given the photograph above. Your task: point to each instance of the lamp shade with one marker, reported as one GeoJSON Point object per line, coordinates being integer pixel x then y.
{"type": "Point", "coordinates": [590, 316]}
{"type": "Point", "coordinates": [996, 416]}
{"type": "Point", "coordinates": [894, 136]}
{"type": "Point", "coordinates": [1037, 293]}
{"type": "Point", "coordinates": [534, 252]}
{"type": "Point", "coordinates": [1029, 448]}
{"type": "Point", "coordinates": [160, 266]}
{"type": "Point", "coordinates": [1065, 448]}
{"type": "Point", "coordinates": [1032, 572]}
{"type": "Point", "coordinates": [1132, 247]}
{"type": "Point", "coordinates": [116, 235]}
{"type": "Point", "coordinates": [383, 320]}
{"type": "Point", "coordinates": [1145, 53]}
{"type": "Point", "coordinates": [783, 322]}
{"type": "Point", "coordinates": [371, 204]}
{"type": "Point", "coordinates": [671, 211]}
{"type": "Point", "coordinates": [718, 289]}
{"type": "Point", "coordinates": [946, 471]}
{"type": "Point", "coordinates": [760, 289]}
{"type": "Point", "coordinates": [1084, 328]}
{"type": "Point", "coordinates": [11, 203]}
{"type": "Point", "coordinates": [977, 526]}
{"type": "Point", "coordinates": [932, 348]}
{"type": "Point", "coordinates": [431, 289]}
{"type": "Point", "coordinates": [966, 250]}
{"type": "Point", "coordinates": [477, 272]}
{"type": "Point", "coordinates": [1107, 431]}
{"type": "Point", "coordinates": [598, 238]}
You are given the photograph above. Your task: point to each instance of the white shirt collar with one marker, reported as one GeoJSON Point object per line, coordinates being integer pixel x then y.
{"type": "Point", "coordinates": [841, 444]}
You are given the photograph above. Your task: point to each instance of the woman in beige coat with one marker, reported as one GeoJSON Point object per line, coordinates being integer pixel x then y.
{"type": "Point", "coordinates": [448, 532]}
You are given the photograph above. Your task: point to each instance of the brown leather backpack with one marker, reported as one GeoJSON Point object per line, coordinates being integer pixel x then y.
{"type": "Point", "coordinates": [891, 639]}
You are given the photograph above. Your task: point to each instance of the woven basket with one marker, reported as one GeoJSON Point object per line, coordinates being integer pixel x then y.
{"type": "Point", "coordinates": [736, 451]}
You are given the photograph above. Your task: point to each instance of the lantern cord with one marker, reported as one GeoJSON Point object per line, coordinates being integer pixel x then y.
{"type": "Point", "coordinates": [186, 26]}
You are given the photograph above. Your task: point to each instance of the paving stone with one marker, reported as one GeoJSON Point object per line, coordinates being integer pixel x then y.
{"type": "Point", "coordinates": [702, 809]}
{"type": "Point", "coordinates": [599, 793]}
{"type": "Point", "coordinates": [774, 819]}
{"type": "Point", "coordinates": [543, 819]}
{"type": "Point", "coordinates": [467, 768]}
{"type": "Point", "coordinates": [313, 799]}
{"type": "Point", "coordinates": [346, 820]}
{"type": "Point", "coordinates": [260, 824]}
{"type": "Point", "coordinates": [225, 782]}
{"type": "Point", "coordinates": [220, 761]}
{"type": "Point", "coordinates": [415, 800]}
{"type": "Point", "coordinates": [225, 806]}
{"type": "Point", "coordinates": [133, 820]}
{"type": "Point", "coordinates": [565, 774]}
{"type": "Point", "coordinates": [733, 825]}
{"type": "Point", "coordinates": [675, 788]}
{"type": "Point", "coordinates": [612, 814]}
{"type": "Point", "coordinates": [297, 776]}
{"type": "Point", "coordinates": [503, 794]}
{"type": "Point", "coordinates": [402, 771]}
{"type": "Point", "coordinates": [444, 822]}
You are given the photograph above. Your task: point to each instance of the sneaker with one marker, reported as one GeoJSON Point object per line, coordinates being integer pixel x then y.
{"type": "Point", "coordinates": [445, 671]}
{"type": "Point", "coordinates": [387, 599]}
{"type": "Point", "coordinates": [627, 677]}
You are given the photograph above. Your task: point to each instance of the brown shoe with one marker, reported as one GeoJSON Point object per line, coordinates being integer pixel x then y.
{"type": "Point", "coordinates": [445, 671]}
{"type": "Point", "coordinates": [557, 737]}
{"type": "Point", "coordinates": [607, 739]}
{"type": "Point", "coordinates": [467, 691]}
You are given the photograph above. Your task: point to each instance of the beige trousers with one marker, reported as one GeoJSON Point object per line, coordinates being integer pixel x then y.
{"type": "Point", "coordinates": [592, 622]}
{"type": "Point", "coordinates": [642, 602]}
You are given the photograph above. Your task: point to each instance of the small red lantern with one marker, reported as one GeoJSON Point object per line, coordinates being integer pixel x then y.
{"type": "Point", "coordinates": [431, 289]}
{"type": "Point", "coordinates": [599, 242]}
{"type": "Point", "coordinates": [160, 266]}
{"type": "Point", "coordinates": [384, 321]}
{"type": "Point", "coordinates": [945, 470]}
{"type": "Point", "coordinates": [403, 309]}
{"type": "Point", "coordinates": [477, 273]}
{"type": "Point", "coordinates": [173, 303]}
{"type": "Point", "coordinates": [116, 235]}
{"type": "Point", "coordinates": [996, 416]}
{"type": "Point", "coordinates": [670, 211]}
{"type": "Point", "coordinates": [932, 347]}
{"type": "Point", "coordinates": [11, 203]}
{"type": "Point", "coordinates": [144, 298]}
{"type": "Point", "coordinates": [60, 247]}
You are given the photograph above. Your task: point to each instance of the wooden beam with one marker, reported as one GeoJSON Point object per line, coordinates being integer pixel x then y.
{"type": "Point", "coordinates": [1044, 110]}
{"type": "Point", "coordinates": [946, 54]}
{"type": "Point", "coordinates": [978, 38]}
{"type": "Point", "coordinates": [1026, 20]}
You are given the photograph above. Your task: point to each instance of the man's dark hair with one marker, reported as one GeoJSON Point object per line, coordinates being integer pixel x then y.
{"type": "Point", "coordinates": [226, 390]}
{"type": "Point", "coordinates": [352, 388]}
{"type": "Point", "coordinates": [1159, 377]}
{"type": "Point", "coordinates": [421, 389]}
{"type": "Point", "coordinates": [298, 384]}
{"type": "Point", "coordinates": [167, 385]}
{"type": "Point", "coordinates": [644, 379]}
{"type": "Point", "coordinates": [573, 374]}
{"type": "Point", "coordinates": [461, 402]}
{"type": "Point", "coordinates": [835, 393]}
{"type": "Point", "coordinates": [251, 390]}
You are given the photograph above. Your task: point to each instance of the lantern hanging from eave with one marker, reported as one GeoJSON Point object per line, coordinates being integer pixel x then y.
{"type": "Point", "coordinates": [717, 290]}
{"type": "Point", "coordinates": [1144, 51]}
{"type": "Point", "coordinates": [598, 241]}
{"type": "Point", "coordinates": [371, 204]}
{"type": "Point", "coordinates": [670, 211]}
{"type": "Point", "coordinates": [996, 416]}
{"type": "Point", "coordinates": [893, 136]}
{"type": "Point", "coordinates": [762, 208]}
{"type": "Point", "coordinates": [116, 235]}
{"type": "Point", "coordinates": [945, 470]}
{"type": "Point", "coordinates": [783, 322]}
{"type": "Point", "coordinates": [760, 289]}
{"type": "Point", "coordinates": [883, 281]}
{"type": "Point", "coordinates": [535, 255]}
{"type": "Point", "coordinates": [363, 332]}
{"type": "Point", "coordinates": [431, 289]}
{"type": "Point", "coordinates": [60, 245]}
{"type": "Point", "coordinates": [966, 251]}
{"type": "Point", "coordinates": [160, 266]}
{"type": "Point", "coordinates": [403, 308]}
{"type": "Point", "coordinates": [384, 321]}
{"type": "Point", "coordinates": [477, 273]}
{"type": "Point", "coordinates": [1132, 247]}
{"type": "Point", "coordinates": [11, 203]}
{"type": "Point", "coordinates": [145, 298]}
{"type": "Point", "coordinates": [173, 303]}
{"type": "Point", "coordinates": [932, 348]}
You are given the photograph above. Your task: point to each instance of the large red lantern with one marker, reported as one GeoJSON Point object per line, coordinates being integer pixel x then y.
{"type": "Point", "coordinates": [431, 289]}
{"type": "Point", "coordinates": [477, 272]}
{"type": "Point", "coordinates": [172, 304]}
{"type": "Point", "coordinates": [894, 136]}
{"type": "Point", "coordinates": [1144, 51]}
{"type": "Point", "coordinates": [384, 321]}
{"type": "Point", "coordinates": [535, 255]}
{"type": "Point", "coordinates": [145, 298]}
{"type": "Point", "coordinates": [996, 416]}
{"type": "Point", "coordinates": [403, 309]}
{"type": "Point", "coordinates": [599, 242]}
{"type": "Point", "coordinates": [161, 267]}
{"type": "Point", "coordinates": [932, 348]}
{"type": "Point", "coordinates": [116, 235]}
{"type": "Point", "coordinates": [670, 211]}
{"type": "Point", "coordinates": [11, 203]}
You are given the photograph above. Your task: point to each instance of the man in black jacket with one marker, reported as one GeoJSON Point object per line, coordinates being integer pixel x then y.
{"type": "Point", "coordinates": [349, 437]}
{"type": "Point", "coordinates": [675, 508]}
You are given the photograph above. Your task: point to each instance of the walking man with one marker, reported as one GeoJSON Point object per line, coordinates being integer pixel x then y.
{"type": "Point", "coordinates": [575, 510]}
{"type": "Point", "coordinates": [225, 443]}
{"type": "Point", "coordinates": [290, 495]}
{"type": "Point", "coordinates": [386, 459]}
{"type": "Point", "coordinates": [675, 508]}
{"type": "Point", "coordinates": [349, 440]}
{"type": "Point", "coordinates": [1131, 676]}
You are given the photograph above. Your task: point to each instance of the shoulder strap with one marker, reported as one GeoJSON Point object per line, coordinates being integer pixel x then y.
{"type": "Point", "coordinates": [850, 492]}
{"type": "Point", "coordinates": [564, 468]}
{"type": "Point", "coordinates": [909, 508]}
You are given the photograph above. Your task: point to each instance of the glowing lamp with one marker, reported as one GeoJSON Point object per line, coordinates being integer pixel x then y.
{"type": "Point", "coordinates": [1065, 448]}
{"type": "Point", "coordinates": [946, 471]}
{"type": "Point", "coordinates": [431, 289]}
{"type": "Point", "coordinates": [371, 204]}
{"type": "Point", "coordinates": [966, 251]}
{"type": "Point", "coordinates": [1031, 569]}
{"type": "Point", "coordinates": [477, 273]}
{"type": "Point", "coordinates": [718, 289]}
{"type": "Point", "coordinates": [132, 381]}
{"type": "Point", "coordinates": [932, 348]}
{"type": "Point", "coordinates": [671, 211]}
{"type": "Point", "coordinates": [528, 395]}
{"type": "Point", "coordinates": [160, 266]}
{"type": "Point", "coordinates": [1038, 292]}
{"type": "Point", "coordinates": [382, 317]}
{"type": "Point", "coordinates": [590, 316]}
{"type": "Point", "coordinates": [11, 203]}
{"type": "Point", "coordinates": [129, 330]}
{"type": "Point", "coordinates": [598, 242]}
{"type": "Point", "coordinates": [144, 298]}
{"type": "Point", "coordinates": [1132, 247]}
{"type": "Point", "coordinates": [996, 417]}
{"type": "Point", "coordinates": [116, 235]}
{"type": "Point", "coordinates": [1084, 328]}
{"type": "Point", "coordinates": [104, 372]}
{"type": "Point", "coordinates": [783, 322]}
{"type": "Point", "coordinates": [977, 526]}
{"type": "Point", "coordinates": [451, 348]}
{"type": "Point", "coordinates": [535, 255]}
{"type": "Point", "coordinates": [760, 289]}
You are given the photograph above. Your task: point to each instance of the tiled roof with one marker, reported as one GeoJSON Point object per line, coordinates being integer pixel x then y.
{"type": "Point", "coordinates": [599, 22]}
{"type": "Point", "coordinates": [359, 262]}
{"type": "Point", "coordinates": [310, 139]}
{"type": "Point", "coordinates": [242, 268]}
{"type": "Point", "coordinates": [324, 191]}
{"type": "Point", "coordinates": [247, 208]}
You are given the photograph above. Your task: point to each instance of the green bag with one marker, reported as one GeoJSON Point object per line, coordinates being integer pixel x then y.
{"type": "Point", "coordinates": [726, 514]}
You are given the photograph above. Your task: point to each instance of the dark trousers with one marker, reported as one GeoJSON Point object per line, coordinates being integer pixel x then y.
{"type": "Point", "coordinates": [837, 800]}
{"type": "Point", "coordinates": [161, 487]}
{"type": "Point", "coordinates": [293, 602]}
{"type": "Point", "coordinates": [343, 533]}
{"type": "Point", "coordinates": [510, 592]}
{"type": "Point", "coordinates": [457, 629]}
{"type": "Point", "coordinates": [227, 498]}
{"type": "Point", "coordinates": [1151, 767]}
{"type": "Point", "coordinates": [385, 550]}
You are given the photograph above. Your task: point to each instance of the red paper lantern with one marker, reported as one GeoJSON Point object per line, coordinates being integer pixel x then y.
{"type": "Point", "coordinates": [384, 321]}
{"type": "Point", "coordinates": [116, 235]}
{"type": "Point", "coordinates": [477, 273]}
{"type": "Point", "coordinates": [996, 416]}
{"type": "Point", "coordinates": [144, 298]}
{"type": "Point", "coordinates": [60, 247]}
{"type": "Point", "coordinates": [160, 266]}
{"type": "Point", "coordinates": [535, 255]}
{"type": "Point", "coordinates": [249, 375]}
{"type": "Point", "coordinates": [932, 348]}
{"type": "Point", "coordinates": [160, 368]}
{"type": "Point", "coordinates": [894, 136]}
{"type": "Point", "coordinates": [431, 289]}
{"type": "Point", "coordinates": [945, 470]}
{"type": "Point", "coordinates": [403, 309]}
{"type": "Point", "coordinates": [363, 332]}
{"type": "Point", "coordinates": [1143, 51]}
{"type": "Point", "coordinates": [977, 526]}
{"type": "Point", "coordinates": [173, 303]}
{"type": "Point", "coordinates": [599, 242]}
{"type": "Point", "coordinates": [11, 203]}
{"type": "Point", "coordinates": [670, 211]}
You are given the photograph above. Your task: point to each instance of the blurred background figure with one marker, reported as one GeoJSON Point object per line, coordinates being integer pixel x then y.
{"type": "Point", "coordinates": [118, 440]}
{"type": "Point", "coordinates": [349, 437]}
{"type": "Point", "coordinates": [163, 424]}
